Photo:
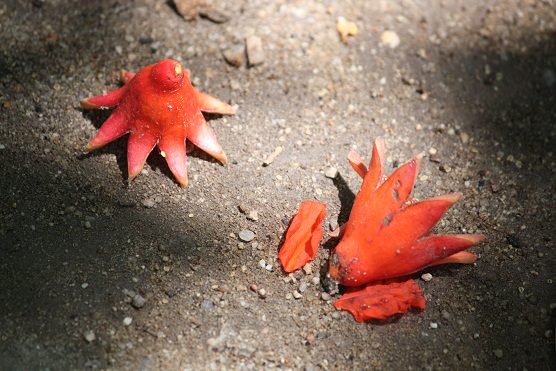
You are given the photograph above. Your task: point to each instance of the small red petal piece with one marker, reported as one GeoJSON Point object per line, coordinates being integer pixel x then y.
{"type": "Point", "coordinates": [381, 300]}
{"type": "Point", "coordinates": [158, 105]}
{"type": "Point", "coordinates": [303, 236]}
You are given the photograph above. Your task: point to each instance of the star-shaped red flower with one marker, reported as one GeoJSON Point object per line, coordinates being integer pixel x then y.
{"type": "Point", "coordinates": [159, 106]}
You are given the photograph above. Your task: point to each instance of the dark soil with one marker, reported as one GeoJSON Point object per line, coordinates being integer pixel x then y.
{"type": "Point", "coordinates": [475, 81]}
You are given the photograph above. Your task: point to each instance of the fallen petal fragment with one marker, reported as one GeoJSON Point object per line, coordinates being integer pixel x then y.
{"type": "Point", "coordinates": [303, 236]}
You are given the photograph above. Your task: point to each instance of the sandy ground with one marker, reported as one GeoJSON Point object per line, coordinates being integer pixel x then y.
{"type": "Point", "coordinates": [474, 81]}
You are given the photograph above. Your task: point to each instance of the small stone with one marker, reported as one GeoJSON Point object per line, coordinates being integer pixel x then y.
{"type": "Point", "coordinates": [127, 321]}
{"type": "Point", "coordinates": [308, 268]}
{"type": "Point", "coordinates": [253, 215]}
{"type": "Point", "coordinates": [262, 263]}
{"type": "Point", "coordinates": [426, 277]}
{"type": "Point", "coordinates": [325, 296]}
{"type": "Point", "coordinates": [445, 168]}
{"type": "Point", "coordinates": [303, 287]}
{"type": "Point", "coordinates": [331, 173]}
{"type": "Point", "coordinates": [148, 203]}
{"type": "Point", "coordinates": [84, 285]}
{"type": "Point", "coordinates": [346, 28]}
{"type": "Point", "coordinates": [498, 353]}
{"type": "Point", "coordinates": [234, 55]}
{"type": "Point", "coordinates": [246, 235]}
{"type": "Point", "coordinates": [464, 137]}
{"type": "Point", "coordinates": [446, 315]}
{"type": "Point", "coordinates": [262, 293]}
{"type": "Point", "coordinates": [138, 301]}
{"type": "Point", "coordinates": [89, 336]}
{"type": "Point", "coordinates": [214, 15]}
{"type": "Point", "coordinates": [390, 39]}
{"type": "Point", "coordinates": [88, 224]}
{"type": "Point", "coordinates": [548, 334]}
{"type": "Point", "coordinates": [297, 295]}
{"type": "Point", "coordinates": [532, 299]}
{"type": "Point", "coordinates": [433, 325]}
{"type": "Point", "coordinates": [255, 52]}
{"type": "Point", "coordinates": [433, 151]}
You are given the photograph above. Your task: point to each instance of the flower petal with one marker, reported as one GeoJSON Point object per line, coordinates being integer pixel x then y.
{"type": "Point", "coordinates": [303, 236]}
{"type": "Point", "coordinates": [381, 300]}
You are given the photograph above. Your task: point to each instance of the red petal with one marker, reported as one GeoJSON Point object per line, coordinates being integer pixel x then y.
{"type": "Point", "coordinates": [201, 134]}
{"type": "Point", "coordinates": [210, 104]}
{"type": "Point", "coordinates": [174, 151]}
{"type": "Point", "coordinates": [110, 99]}
{"type": "Point", "coordinates": [303, 236]}
{"type": "Point", "coordinates": [357, 164]}
{"type": "Point", "coordinates": [413, 222]}
{"type": "Point", "coordinates": [376, 166]}
{"type": "Point", "coordinates": [382, 300]}
{"type": "Point", "coordinates": [126, 76]}
{"type": "Point", "coordinates": [113, 128]}
{"type": "Point", "coordinates": [139, 146]}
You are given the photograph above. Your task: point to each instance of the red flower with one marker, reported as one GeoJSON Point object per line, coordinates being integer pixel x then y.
{"type": "Point", "coordinates": [158, 106]}
{"type": "Point", "coordinates": [383, 238]}
{"type": "Point", "coordinates": [303, 237]}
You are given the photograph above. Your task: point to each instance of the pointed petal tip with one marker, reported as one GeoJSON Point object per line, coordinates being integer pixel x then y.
{"type": "Point", "coordinates": [451, 198]}
{"type": "Point", "coordinates": [88, 105]}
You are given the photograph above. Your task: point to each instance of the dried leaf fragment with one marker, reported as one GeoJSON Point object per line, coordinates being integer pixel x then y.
{"type": "Point", "coordinates": [381, 300]}
{"type": "Point", "coordinates": [303, 236]}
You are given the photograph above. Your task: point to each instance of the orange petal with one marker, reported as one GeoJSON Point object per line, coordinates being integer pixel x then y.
{"type": "Point", "coordinates": [381, 300]}
{"type": "Point", "coordinates": [303, 236]}
{"type": "Point", "coordinates": [376, 166]}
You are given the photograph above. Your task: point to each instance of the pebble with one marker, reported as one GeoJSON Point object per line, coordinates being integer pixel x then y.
{"type": "Point", "coordinates": [390, 38]}
{"type": "Point", "coordinates": [138, 301]}
{"type": "Point", "coordinates": [426, 277]}
{"type": "Point", "coordinates": [234, 55]}
{"type": "Point", "coordinates": [84, 285]}
{"type": "Point", "coordinates": [255, 52]}
{"type": "Point", "coordinates": [464, 137]}
{"type": "Point", "coordinates": [346, 28]}
{"type": "Point", "coordinates": [446, 315]}
{"type": "Point", "coordinates": [433, 151]}
{"type": "Point", "coordinates": [433, 325]}
{"type": "Point", "coordinates": [127, 321]}
{"type": "Point", "coordinates": [498, 353]}
{"type": "Point", "coordinates": [308, 268]}
{"type": "Point", "coordinates": [325, 296]}
{"type": "Point", "coordinates": [148, 203]}
{"type": "Point", "coordinates": [303, 287]}
{"type": "Point", "coordinates": [262, 263]}
{"type": "Point", "coordinates": [331, 173]}
{"type": "Point", "coordinates": [246, 235]}
{"type": "Point", "coordinates": [88, 224]}
{"type": "Point", "coordinates": [262, 293]}
{"type": "Point", "coordinates": [445, 168]}
{"type": "Point", "coordinates": [297, 295]}
{"type": "Point", "coordinates": [89, 336]}
{"type": "Point", "coordinates": [253, 215]}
